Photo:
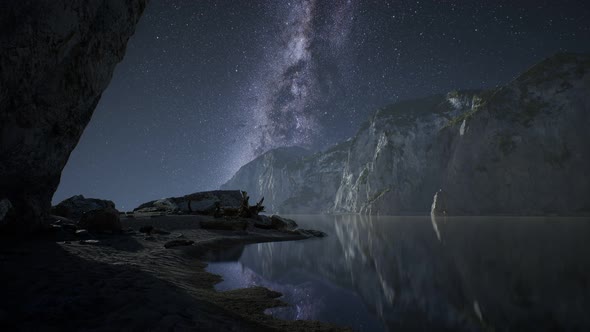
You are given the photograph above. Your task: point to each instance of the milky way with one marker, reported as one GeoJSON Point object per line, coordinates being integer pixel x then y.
{"type": "Point", "coordinates": [205, 86]}
{"type": "Point", "coordinates": [284, 96]}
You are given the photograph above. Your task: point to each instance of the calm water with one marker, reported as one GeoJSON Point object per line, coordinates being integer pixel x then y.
{"type": "Point", "coordinates": [405, 273]}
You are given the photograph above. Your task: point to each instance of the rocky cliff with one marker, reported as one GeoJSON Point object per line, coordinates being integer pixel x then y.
{"type": "Point", "coordinates": [517, 149]}
{"type": "Point", "coordinates": [292, 179]}
{"type": "Point", "coordinates": [56, 58]}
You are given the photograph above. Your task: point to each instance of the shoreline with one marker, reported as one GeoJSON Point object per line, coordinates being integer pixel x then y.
{"type": "Point", "coordinates": [52, 281]}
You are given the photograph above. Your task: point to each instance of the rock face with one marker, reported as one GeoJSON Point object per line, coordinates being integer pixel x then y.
{"type": "Point", "coordinates": [57, 57]}
{"type": "Point", "coordinates": [75, 206]}
{"type": "Point", "coordinates": [518, 149]}
{"type": "Point", "coordinates": [525, 147]}
{"type": "Point", "coordinates": [292, 179]}
{"type": "Point", "coordinates": [201, 202]}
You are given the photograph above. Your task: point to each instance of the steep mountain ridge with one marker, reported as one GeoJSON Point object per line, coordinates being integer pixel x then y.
{"type": "Point", "coordinates": [518, 149]}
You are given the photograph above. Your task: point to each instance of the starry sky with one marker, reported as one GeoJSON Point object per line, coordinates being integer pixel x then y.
{"type": "Point", "coordinates": [206, 86]}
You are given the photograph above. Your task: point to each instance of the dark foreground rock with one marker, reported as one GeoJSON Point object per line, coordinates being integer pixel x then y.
{"type": "Point", "coordinates": [102, 220]}
{"type": "Point", "coordinates": [75, 206]}
{"type": "Point", "coordinates": [124, 282]}
{"type": "Point", "coordinates": [57, 57]}
{"type": "Point", "coordinates": [5, 207]}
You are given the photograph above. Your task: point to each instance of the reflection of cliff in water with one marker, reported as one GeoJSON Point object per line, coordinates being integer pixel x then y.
{"type": "Point", "coordinates": [484, 272]}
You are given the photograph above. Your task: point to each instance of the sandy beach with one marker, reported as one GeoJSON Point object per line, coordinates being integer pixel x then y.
{"type": "Point", "coordinates": [62, 281]}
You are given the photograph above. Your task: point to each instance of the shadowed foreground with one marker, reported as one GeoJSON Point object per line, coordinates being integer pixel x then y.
{"type": "Point", "coordinates": [131, 282]}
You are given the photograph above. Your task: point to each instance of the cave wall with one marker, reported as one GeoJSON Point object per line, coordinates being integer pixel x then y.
{"type": "Point", "coordinates": [56, 59]}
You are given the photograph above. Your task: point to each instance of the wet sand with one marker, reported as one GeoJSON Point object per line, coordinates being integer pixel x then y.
{"type": "Point", "coordinates": [53, 282]}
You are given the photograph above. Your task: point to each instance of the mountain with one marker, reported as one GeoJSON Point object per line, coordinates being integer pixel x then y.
{"type": "Point", "coordinates": [288, 178]}
{"type": "Point", "coordinates": [518, 149]}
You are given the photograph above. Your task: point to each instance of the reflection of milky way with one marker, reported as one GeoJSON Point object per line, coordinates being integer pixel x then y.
{"type": "Point", "coordinates": [284, 97]}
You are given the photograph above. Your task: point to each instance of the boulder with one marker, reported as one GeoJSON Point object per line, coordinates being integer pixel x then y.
{"type": "Point", "coordinates": [5, 206]}
{"type": "Point", "coordinates": [262, 221]}
{"type": "Point", "coordinates": [81, 232]}
{"type": "Point", "coordinates": [88, 241]}
{"type": "Point", "coordinates": [281, 223]}
{"type": "Point", "coordinates": [205, 202]}
{"type": "Point", "coordinates": [65, 223]}
{"type": "Point", "coordinates": [274, 222]}
{"type": "Point", "coordinates": [102, 220]}
{"type": "Point", "coordinates": [75, 206]}
{"type": "Point", "coordinates": [164, 205]}
{"type": "Point", "coordinates": [57, 58]}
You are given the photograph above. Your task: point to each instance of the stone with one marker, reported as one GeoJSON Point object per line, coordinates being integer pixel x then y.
{"type": "Point", "coordinates": [75, 206]}
{"type": "Point", "coordinates": [5, 206]}
{"type": "Point", "coordinates": [82, 232]}
{"type": "Point", "coordinates": [200, 202]}
{"type": "Point", "coordinates": [57, 58]}
{"type": "Point", "coordinates": [65, 223]}
{"type": "Point", "coordinates": [262, 221]}
{"type": "Point", "coordinates": [281, 223]}
{"type": "Point", "coordinates": [274, 222]}
{"type": "Point", "coordinates": [165, 205]}
{"type": "Point", "coordinates": [178, 243]}
{"type": "Point", "coordinates": [89, 242]}
{"type": "Point", "coordinates": [150, 238]}
{"type": "Point", "coordinates": [103, 220]}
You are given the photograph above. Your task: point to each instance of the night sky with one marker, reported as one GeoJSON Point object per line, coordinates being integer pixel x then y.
{"type": "Point", "coordinates": [206, 86]}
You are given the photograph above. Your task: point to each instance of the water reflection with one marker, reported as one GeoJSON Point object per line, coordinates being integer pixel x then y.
{"type": "Point", "coordinates": [388, 273]}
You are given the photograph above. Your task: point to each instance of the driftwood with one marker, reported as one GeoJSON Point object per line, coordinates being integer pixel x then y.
{"type": "Point", "coordinates": [248, 211]}
{"type": "Point", "coordinates": [245, 210]}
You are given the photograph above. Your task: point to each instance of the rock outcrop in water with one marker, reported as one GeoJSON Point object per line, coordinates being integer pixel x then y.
{"type": "Point", "coordinates": [57, 57]}
{"type": "Point", "coordinates": [516, 149]}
